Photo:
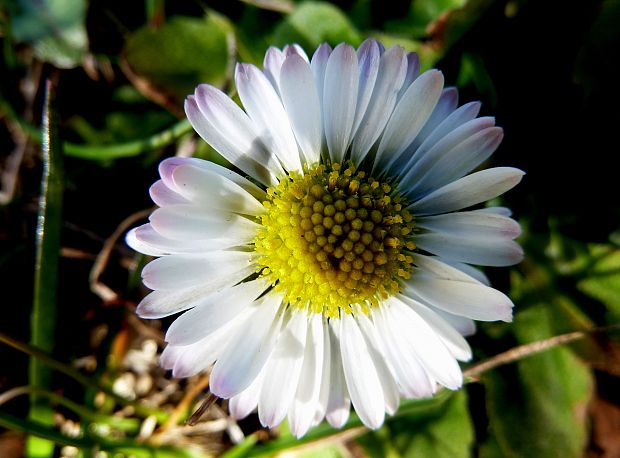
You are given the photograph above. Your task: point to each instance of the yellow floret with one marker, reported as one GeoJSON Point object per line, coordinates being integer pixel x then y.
{"type": "Point", "coordinates": [333, 237]}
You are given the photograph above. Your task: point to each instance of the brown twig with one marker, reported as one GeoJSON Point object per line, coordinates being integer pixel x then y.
{"type": "Point", "coordinates": [279, 6]}
{"type": "Point", "coordinates": [193, 391]}
{"type": "Point", "coordinates": [12, 164]}
{"type": "Point", "coordinates": [529, 349]}
{"type": "Point", "coordinates": [96, 286]}
{"type": "Point", "coordinates": [150, 90]}
{"type": "Point", "coordinates": [207, 402]}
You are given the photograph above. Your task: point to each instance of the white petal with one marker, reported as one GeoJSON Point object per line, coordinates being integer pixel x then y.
{"type": "Point", "coordinates": [482, 247]}
{"type": "Point", "coordinates": [325, 387]}
{"type": "Point", "coordinates": [465, 326]}
{"type": "Point", "coordinates": [428, 347]}
{"type": "Point", "coordinates": [368, 56]}
{"type": "Point", "coordinates": [417, 151]}
{"type": "Point", "coordinates": [456, 344]}
{"type": "Point", "coordinates": [295, 49]}
{"type": "Point", "coordinates": [162, 195]}
{"type": "Point", "coordinates": [210, 189]}
{"type": "Point", "coordinates": [393, 67]}
{"type": "Point", "coordinates": [244, 403]}
{"type": "Point", "coordinates": [147, 240]}
{"type": "Point", "coordinates": [469, 270]}
{"type": "Point", "coordinates": [248, 350]}
{"type": "Point", "coordinates": [338, 403]}
{"type": "Point", "coordinates": [302, 411]}
{"type": "Point", "coordinates": [274, 58]}
{"type": "Point", "coordinates": [202, 354]}
{"type": "Point", "coordinates": [467, 191]}
{"type": "Point", "coordinates": [360, 373]}
{"type": "Point", "coordinates": [301, 101]}
{"type": "Point", "coordinates": [132, 239]}
{"type": "Point", "coordinates": [503, 211]}
{"type": "Point", "coordinates": [445, 105]}
{"type": "Point", "coordinates": [470, 223]}
{"type": "Point", "coordinates": [188, 360]}
{"type": "Point", "coordinates": [282, 371]}
{"type": "Point", "coordinates": [472, 300]}
{"type": "Point", "coordinates": [408, 118]}
{"type": "Point", "coordinates": [412, 378]}
{"type": "Point", "coordinates": [449, 161]}
{"type": "Point", "coordinates": [224, 126]}
{"type": "Point", "coordinates": [413, 71]}
{"type": "Point", "coordinates": [376, 352]}
{"type": "Point", "coordinates": [264, 107]}
{"type": "Point", "coordinates": [340, 99]}
{"type": "Point", "coordinates": [184, 271]}
{"type": "Point", "coordinates": [168, 166]}
{"type": "Point", "coordinates": [318, 65]}
{"type": "Point", "coordinates": [191, 222]}
{"type": "Point", "coordinates": [170, 355]}
{"type": "Point", "coordinates": [213, 312]}
{"type": "Point", "coordinates": [159, 304]}
{"type": "Point", "coordinates": [429, 155]}
{"type": "Point", "coordinates": [439, 268]}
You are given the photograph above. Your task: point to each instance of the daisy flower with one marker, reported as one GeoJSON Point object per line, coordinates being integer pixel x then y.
{"type": "Point", "coordinates": [336, 267]}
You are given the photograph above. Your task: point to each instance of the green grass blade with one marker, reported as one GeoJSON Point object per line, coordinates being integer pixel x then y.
{"type": "Point", "coordinates": [128, 149]}
{"type": "Point", "coordinates": [105, 152]}
{"type": "Point", "coordinates": [99, 385]}
{"type": "Point", "coordinates": [117, 447]}
{"type": "Point", "coordinates": [49, 224]}
{"type": "Point", "coordinates": [127, 425]}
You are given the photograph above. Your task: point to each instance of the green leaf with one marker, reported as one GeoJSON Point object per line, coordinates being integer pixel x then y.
{"type": "Point", "coordinates": [323, 451]}
{"type": "Point", "coordinates": [537, 407]}
{"type": "Point", "coordinates": [313, 23]}
{"type": "Point", "coordinates": [55, 28]}
{"type": "Point", "coordinates": [603, 279]}
{"type": "Point", "coordinates": [182, 53]}
{"type": "Point", "coordinates": [428, 55]}
{"type": "Point", "coordinates": [447, 434]}
{"type": "Point", "coordinates": [421, 14]}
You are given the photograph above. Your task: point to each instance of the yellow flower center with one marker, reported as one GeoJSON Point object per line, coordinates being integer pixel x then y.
{"type": "Point", "coordinates": [334, 237]}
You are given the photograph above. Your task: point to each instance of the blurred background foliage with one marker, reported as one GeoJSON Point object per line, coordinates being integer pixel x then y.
{"type": "Point", "coordinates": [77, 159]}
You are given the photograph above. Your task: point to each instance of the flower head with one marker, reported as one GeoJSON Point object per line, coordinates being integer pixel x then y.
{"type": "Point", "coordinates": [337, 271]}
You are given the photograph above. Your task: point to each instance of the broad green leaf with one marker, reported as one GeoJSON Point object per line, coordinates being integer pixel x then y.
{"type": "Point", "coordinates": [428, 55]}
{"type": "Point", "coordinates": [321, 451]}
{"type": "Point", "coordinates": [182, 53]}
{"type": "Point", "coordinates": [459, 20]}
{"type": "Point", "coordinates": [447, 434]}
{"type": "Point", "coordinates": [537, 407]}
{"type": "Point", "coordinates": [420, 409]}
{"type": "Point", "coordinates": [603, 279]}
{"type": "Point", "coordinates": [122, 126]}
{"type": "Point", "coordinates": [55, 28]}
{"type": "Point", "coordinates": [313, 23]}
{"type": "Point", "coordinates": [421, 14]}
